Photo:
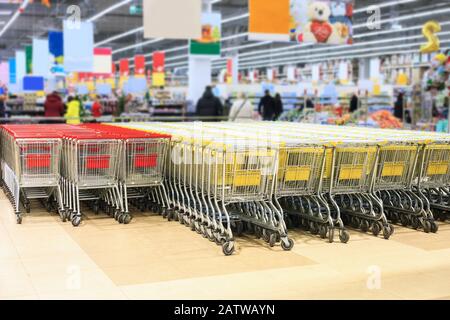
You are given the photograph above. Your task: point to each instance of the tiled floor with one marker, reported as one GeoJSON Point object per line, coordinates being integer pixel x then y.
{"type": "Point", "coordinates": [155, 259]}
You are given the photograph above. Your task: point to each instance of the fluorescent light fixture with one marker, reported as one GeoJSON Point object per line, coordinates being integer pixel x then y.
{"type": "Point", "coordinates": [383, 5]}
{"type": "Point", "coordinates": [5, 12]}
{"type": "Point", "coordinates": [14, 17]}
{"type": "Point", "coordinates": [119, 36]}
{"type": "Point", "coordinates": [108, 10]}
{"type": "Point", "coordinates": [138, 45]}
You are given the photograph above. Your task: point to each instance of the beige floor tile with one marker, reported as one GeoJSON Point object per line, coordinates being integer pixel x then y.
{"type": "Point", "coordinates": [16, 282]}
{"type": "Point", "coordinates": [27, 297]}
{"type": "Point", "coordinates": [93, 294]}
{"type": "Point", "coordinates": [73, 279]}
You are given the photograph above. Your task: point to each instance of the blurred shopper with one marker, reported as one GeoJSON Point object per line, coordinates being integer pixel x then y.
{"type": "Point", "coordinates": [129, 104]}
{"type": "Point", "coordinates": [73, 111]}
{"type": "Point", "coordinates": [53, 106]}
{"type": "Point", "coordinates": [266, 107]}
{"type": "Point", "coordinates": [278, 106]}
{"type": "Point", "coordinates": [242, 109]}
{"type": "Point", "coordinates": [354, 103]}
{"type": "Point", "coordinates": [209, 105]}
{"type": "Point", "coordinates": [398, 107]}
{"type": "Point", "coordinates": [97, 109]}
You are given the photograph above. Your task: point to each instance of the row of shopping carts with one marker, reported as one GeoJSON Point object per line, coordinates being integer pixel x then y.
{"type": "Point", "coordinates": [62, 165]}
{"type": "Point", "coordinates": [226, 178]}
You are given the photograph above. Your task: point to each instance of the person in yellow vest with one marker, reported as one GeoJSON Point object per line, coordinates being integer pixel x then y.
{"type": "Point", "coordinates": [73, 111]}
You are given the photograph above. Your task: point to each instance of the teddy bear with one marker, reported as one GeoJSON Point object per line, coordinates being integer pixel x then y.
{"type": "Point", "coordinates": [319, 29]}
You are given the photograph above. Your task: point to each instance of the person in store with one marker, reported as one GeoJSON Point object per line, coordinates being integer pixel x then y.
{"type": "Point", "coordinates": [53, 105]}
{"type": "Point", "coordinates": [209, 105]}
{"type": "Point", "coordinates": [73, 111]}
{"type": "Point", "coordinates": [278, 106]}
{"type": "Point", "coordinates": [242, 109]}
{"type": "Point", "coordinates": [398, 107]}
{"type": "Point", "coordinates": [97, 109]}
{"type": "Point", "coordinates": [266, 107]}
{"type": "Point", "coordinates": [354, 103]}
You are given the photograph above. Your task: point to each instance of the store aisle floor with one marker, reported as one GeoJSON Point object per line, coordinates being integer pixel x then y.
{"type": "Point", "coordinates": [155, 259]}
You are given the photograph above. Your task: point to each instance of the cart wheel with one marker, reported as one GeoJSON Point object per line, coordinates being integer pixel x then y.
{"type": "Point", "coordinates": [211, 237]}
{"type": "Point", "coordinates": [62, 214]}
{"type": "Point", "coordinates": [289, 223]}
{"type": "Point", "coordinates": [27, 208]}
{"type": "Point", "coordinates": [344, 236]}
{"type": "Point", "coordinates": [76, 221]}
{"type": "Point", "coordinates": [192, 225]}
{"type": "Point", "coordinates": [387, 232]}
{"type": "Point", "coordinates": [427, 226]}
{"type": "Point", "coordinates": [392, 229]}
{"type": "Point", "coordinates": [19, 219]}
{"type": "Point", "coordinates": [376, 229]}
{"type": "Point", "coordinates": [258, 232]}
{"type": "Point", "coordinates": [323, 230]}
{"type": "Point", "coordinates": [120, 218]}
{"type": "Point", "coordinates": [272, 240]}
{"type": "Point", "coordinates": [265, 235]}
{"type": "Point", "coordinates": [365, 225]}
{"type": "Point", "coordinates": [415, 223]}
{"type": "Point", "coordinates": [164, 213]}
{"type": "Point", "coordinates": [314, 228]}
{"type": "Point", "coordinates": [356, 222]}
{"type": "Point", "coordinates": [228, 248]}
{"type": "Point", "coordinates": [287, 244]}
{"type": "Point", "coordinates": [331, 234]}
{"type": "Point", "coordinates": [239, 228]}
{"type": "Point", "coordinates": [127, 219]}
{"type": "Point", "coordinates": [404, 220]}
{"type": "Point", "coordinates": [434, 227]}
{"type": "Point", "coordinates": [394, 217]}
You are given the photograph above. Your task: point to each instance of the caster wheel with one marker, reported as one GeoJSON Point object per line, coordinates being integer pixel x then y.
{"type": "Point", "coordinates": [210, 237]}
{"type": "Point", "coordinates": [394, 217]}
{"type": "Point", "coordinates": [289, 223]}
{"type": "Point", "coordinates": [266, 236]}
{"type": "Point", "coordinates": [323, 230]}
{"type": "Point", "coordinates": [258, 233]}
{"type": "Point", "coordinates": [376, 229]}
{"type": "Point", "coordinates": [314, 228]}
{"type": "Point", "coordinates": [427, 226]}
{"type": "Point", "coordinates": [27, 208]}
{"type": "Point", "coordinates": [228, 248]}
{"type": "Point", "coordinates": [120, 218]}
{"type": "Point", "coordinates": [239, 228]}
{"type": "Point", "coordinates": [287, 244]}
{"type": "Point", "coordinates": [344, 236]}
{"type": "Point", "coordinates": [415, 223]}
{"type": "Point", "coordinates": [387, 232]}
{"type": "Point", "coordinates": [272, 240]}
{"type": "Point", "coordinates": [391, 227]}
{"type": "Point", "coordinates": [404, 220]}
{"type": "Point", "coordinates": [19, 219]}
{"type": "Point", "coordinates": [127, 219]}
{"type": "Point", "coordinates": [434, 227]}
{"type": "Point", "coordinates": [365, 226]}
{"type": "Point", "coordinates": [331, 235]}
{"type": "Point", "coordinates": [355, 222]}
{"type": "Point", "coordinates": [63, 216]}
{"type": "Point", "coordinates": [76, 221]}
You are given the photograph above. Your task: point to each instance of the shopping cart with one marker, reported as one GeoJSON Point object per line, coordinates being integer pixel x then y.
{"type": "Point", "coordinates": [89, 171]}
{"type": "Point", "coordinates": [219, 182]}
{"type": "Point", "coordinates": [30, 157]}
{"type": "Point", "coordinates": [433, 182]}
{"type": "Point", "coordinates": [142, 159]}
